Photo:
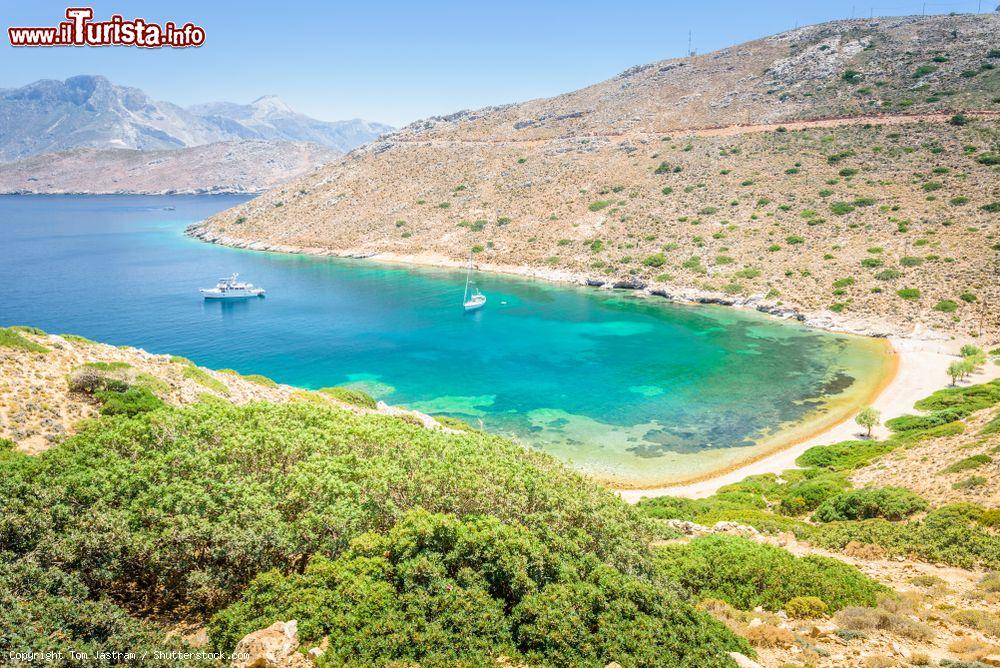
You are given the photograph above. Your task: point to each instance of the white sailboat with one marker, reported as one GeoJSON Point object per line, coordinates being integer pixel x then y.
{"type": "Point", "coordinates": [476, 300]}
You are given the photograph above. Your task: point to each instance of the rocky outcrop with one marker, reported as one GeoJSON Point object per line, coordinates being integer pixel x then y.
{"type": "Point", "coordinates": [694, 529]}
{"type": "Point", "coordinates": [273, 647]}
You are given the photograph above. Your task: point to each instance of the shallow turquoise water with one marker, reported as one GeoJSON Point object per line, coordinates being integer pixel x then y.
{"type": "Point", "coordinates": [632, 390]}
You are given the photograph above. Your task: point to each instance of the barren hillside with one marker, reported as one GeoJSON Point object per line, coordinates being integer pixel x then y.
{"type": "Point", "coordinates": [882, 222]}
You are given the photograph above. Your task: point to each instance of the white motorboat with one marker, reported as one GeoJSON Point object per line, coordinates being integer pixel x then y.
{"type": "Point", "coordinates": [230, 288]}
{"type": "Point", "coordinates": [476, 300]}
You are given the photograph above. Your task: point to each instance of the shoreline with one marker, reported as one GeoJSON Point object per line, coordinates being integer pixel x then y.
{"type": "Point", "coordinates": [823, 320]}
{"type": "Point", "coordinates": [785, 439]}
{"type": "Point", "coordinates": [920, 372]}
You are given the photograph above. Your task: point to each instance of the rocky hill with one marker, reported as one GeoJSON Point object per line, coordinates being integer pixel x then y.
{"type": "Point", "coordinates": [728, 176]}
{"type": "Point", "coordinates": [41, 403]}
{"type": "Point", "coordinates": [222, 167]}
{"type": "Point", "coordinates": [92, 112]}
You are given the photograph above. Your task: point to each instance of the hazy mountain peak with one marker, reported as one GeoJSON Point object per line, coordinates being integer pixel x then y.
{"type": "Point", "coordinates": [272, 104]}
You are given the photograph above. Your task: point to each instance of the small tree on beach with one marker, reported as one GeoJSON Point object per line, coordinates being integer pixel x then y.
{"type": "Point", "coordinates": [868, 418]}
{"type": "Point", "coordinates": [956, 370]}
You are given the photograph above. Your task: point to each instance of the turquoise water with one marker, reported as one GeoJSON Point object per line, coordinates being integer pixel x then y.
{"type": "Point", "coordinates": [635, 391]}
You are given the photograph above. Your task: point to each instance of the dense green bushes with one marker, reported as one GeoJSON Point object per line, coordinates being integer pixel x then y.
{"type": "Point", "coordinates": [746, 574]}
{"type": "Point", "coordinates": [182, 507]}
{"type": "Point", "coordinates": [178, 510]}
{"type": "Point", "coordinates": [47, 610]}
{"type": "Point", "coordinates": [950, 534]}
{"type": "Point", "coordinates": [891, 503]}
{"type": "Point", "coordinates": [442, 591]}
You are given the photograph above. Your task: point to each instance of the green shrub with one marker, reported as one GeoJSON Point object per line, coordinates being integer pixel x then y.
{"type": "Point", "coordinates": [888, 275]}
{"type": "Point", "coordinates": [453, 423]}
{"type": "Point", "coordinates": [205, 379]}
{"type": "Point", "coordinates": [841, 208]}
{"type": "Point", "coordinates": [969, 350]}
{"type": "Point", "coordinates": [11, 338]}
{"type": "Point", "coordinates": [971, 482]}
{"type": "Point", "coordinates": [909, 293]}
{"type": "Point", "coordinates": [746, 574]}
{"type": "Point", "coordinates": [598, 205]}
{"type": "Point", "coordinates": [845, 455]}
{"type": "Point", "coordinates": [350, 395]}
{"type": "Point", "coordinates": [967, 464]}
{"type": "Point", "coordinates": [108, 366]}
{"type": "Point", "coordinates": [891, 503]}
{"type": "Point", "coordinates": [946, 306]}
{"type": "Point", "coordinates": [807, 495]}
{"type": "Point", "coordinates": [655, 260]}
{"type": "Point", "coordinates": [27, 329]}
{"type": "Point", "coordinates": [438, 590]}
{"type": "Point", "coordinates": [132, 401]}
{"type": "Point", "coordinates": [992, 427]}
{"type": "Point", "coordinates": [806, 607]}
{"type": "Point", "coordinates": [260, 380]}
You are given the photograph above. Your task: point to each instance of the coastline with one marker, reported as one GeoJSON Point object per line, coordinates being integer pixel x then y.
{"type": "Point", "coordinates": [921, 370]}
{"type": "Point", "coordinates": [805, 431]}
{"type": "Point", "coordinates": [823, 320]}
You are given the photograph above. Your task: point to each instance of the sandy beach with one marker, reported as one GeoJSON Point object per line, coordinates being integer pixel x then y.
{"type": "Point", "coordinates": [921, 371]}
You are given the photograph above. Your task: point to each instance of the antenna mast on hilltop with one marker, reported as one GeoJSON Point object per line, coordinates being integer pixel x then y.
{"type": "Point", "coordinates": [690, 50]}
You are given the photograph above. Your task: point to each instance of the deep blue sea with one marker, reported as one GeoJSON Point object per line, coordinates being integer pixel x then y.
{"type": "Point", "coordinates": [635, 391]}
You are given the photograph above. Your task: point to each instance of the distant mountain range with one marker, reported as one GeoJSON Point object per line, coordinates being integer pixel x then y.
{"type": "Point", "coordinates": [92, 112]}
{"type": "Point", "coordinates": [270, 118]}
{"type": "Point", "coordinates": [246, 166]}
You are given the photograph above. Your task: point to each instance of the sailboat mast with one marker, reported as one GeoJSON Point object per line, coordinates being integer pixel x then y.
{"type": "Point", "coordinates": [468, 275]}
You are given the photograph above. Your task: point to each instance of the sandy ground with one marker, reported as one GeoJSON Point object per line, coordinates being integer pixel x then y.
{"type": "Point", "coordinates": [922, 371]}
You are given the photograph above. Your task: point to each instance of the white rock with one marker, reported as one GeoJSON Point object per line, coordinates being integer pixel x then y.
{"type": "Point", "coordinates": [744, 662]}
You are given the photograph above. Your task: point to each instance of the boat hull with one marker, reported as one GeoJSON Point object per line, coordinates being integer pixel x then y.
{"type": "Point", "coordinates": [208, 294]}
{"type": "Point", "coordinates": [474, 306]}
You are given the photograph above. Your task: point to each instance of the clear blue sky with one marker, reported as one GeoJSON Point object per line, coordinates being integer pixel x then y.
{"type": "Point", "coordinates": [399, 61]}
